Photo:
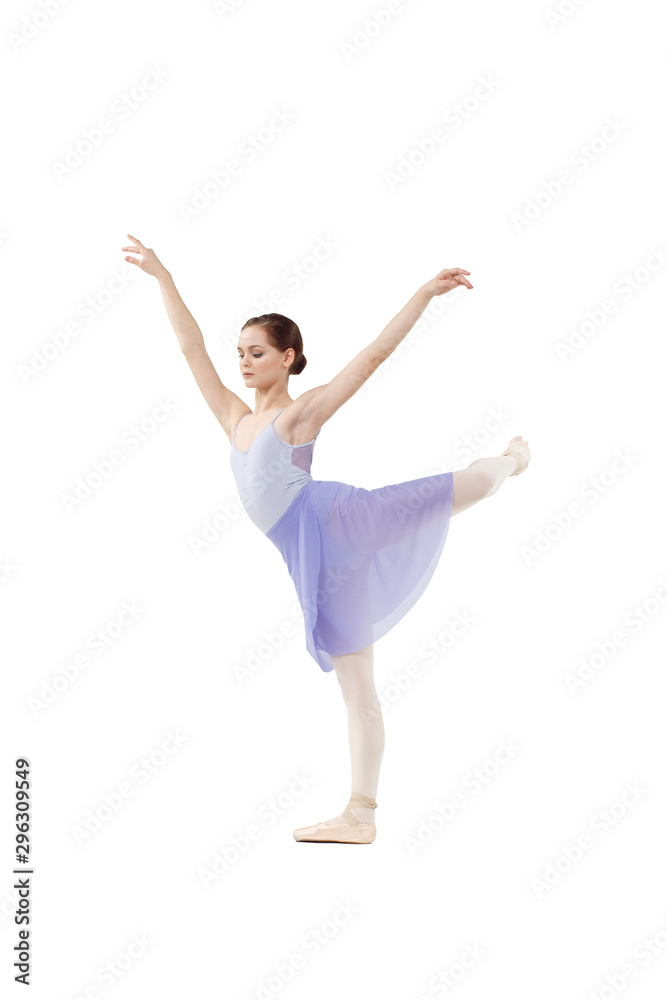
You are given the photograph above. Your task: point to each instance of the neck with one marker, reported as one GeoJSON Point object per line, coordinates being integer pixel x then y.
{"type": "Point", "coordinates": [265, 402]}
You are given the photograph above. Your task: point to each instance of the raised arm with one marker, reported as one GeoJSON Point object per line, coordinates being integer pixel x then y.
{"type": "Point", "coordinates": [317, 405]}
{"type": "Point", "coordinates": [225, 404]}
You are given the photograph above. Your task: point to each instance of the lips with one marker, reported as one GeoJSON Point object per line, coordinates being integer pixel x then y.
{"type": "Point", "coordinates": [247, 373]}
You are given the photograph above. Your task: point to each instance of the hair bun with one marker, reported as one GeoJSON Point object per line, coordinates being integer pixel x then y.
{"type": "Point", "coordinates": [299, 365]}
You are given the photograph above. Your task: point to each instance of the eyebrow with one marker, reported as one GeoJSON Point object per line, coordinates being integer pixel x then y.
{"type": "Point", "coordinates": [251, 345]}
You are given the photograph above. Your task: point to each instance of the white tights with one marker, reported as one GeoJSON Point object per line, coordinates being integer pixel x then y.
{"type": "Point", "coordinates": [364, 722]}
{"type": "Point", "coordinates": [355, 670]}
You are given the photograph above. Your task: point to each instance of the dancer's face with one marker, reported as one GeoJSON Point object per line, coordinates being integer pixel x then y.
{"type": "Point", "coordinates": [260, 364]}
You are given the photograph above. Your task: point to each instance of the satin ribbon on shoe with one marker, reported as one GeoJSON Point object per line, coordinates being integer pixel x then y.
{"type": "Point", "coordinates": [353, 832]}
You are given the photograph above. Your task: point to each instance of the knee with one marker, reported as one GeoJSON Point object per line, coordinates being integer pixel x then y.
{"type": "Point", "coordinates": [358, 692]}
{"type": "Point", "coordinates": [482, 482]}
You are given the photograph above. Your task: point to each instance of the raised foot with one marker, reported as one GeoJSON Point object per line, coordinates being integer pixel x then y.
{"type": "Point", "coordinates": [518, 449]}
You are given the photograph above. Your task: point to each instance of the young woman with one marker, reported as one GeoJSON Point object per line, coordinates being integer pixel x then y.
{"type": "Point", "coordinates": [359, 559]}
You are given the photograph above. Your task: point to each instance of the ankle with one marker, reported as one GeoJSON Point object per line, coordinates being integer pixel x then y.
{"type": "Point", "coordinates": [361, 808]}
{"type": "Point", "coordinates": [363, 814]}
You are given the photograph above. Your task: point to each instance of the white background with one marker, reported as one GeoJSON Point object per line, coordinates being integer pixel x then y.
{"type": "Point", "coordinates": [543, 589]}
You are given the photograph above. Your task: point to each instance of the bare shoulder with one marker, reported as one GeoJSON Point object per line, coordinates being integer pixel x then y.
{"type": "Point", "coordinates": [236, 411]}
{"type": "Point", "coordinates": [298, 422]}
{"type": "Point", "coordinates": [307, 414]}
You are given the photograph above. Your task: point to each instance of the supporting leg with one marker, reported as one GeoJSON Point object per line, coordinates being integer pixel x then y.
{"type": "Point", "coordinates": [365, 726]}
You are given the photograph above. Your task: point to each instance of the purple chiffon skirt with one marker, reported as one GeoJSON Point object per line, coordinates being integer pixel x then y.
{"type": "Point", "coordinates": [360, 559]}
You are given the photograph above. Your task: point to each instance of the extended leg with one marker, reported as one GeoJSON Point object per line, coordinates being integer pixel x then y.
{"type": "Point", "coordinates": [486, 475]}
{"type": "Point", "coordinates": [481, 479]}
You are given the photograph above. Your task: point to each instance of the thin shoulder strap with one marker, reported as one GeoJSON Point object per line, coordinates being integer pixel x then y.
{"type": "Point", "coordinates": [277, 414]}
{"type": "Point", "coordinates": [237, 427]}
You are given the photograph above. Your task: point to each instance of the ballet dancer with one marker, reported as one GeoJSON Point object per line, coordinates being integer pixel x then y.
{"type": "Point", "coordinates": [359, 559]}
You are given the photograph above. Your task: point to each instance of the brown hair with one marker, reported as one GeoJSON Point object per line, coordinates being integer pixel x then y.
{"type": "Point", "coordinates": [282, 333]}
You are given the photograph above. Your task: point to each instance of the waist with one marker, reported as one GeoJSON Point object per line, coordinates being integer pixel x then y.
{"type": "Point", "coordinates": [266, 502]}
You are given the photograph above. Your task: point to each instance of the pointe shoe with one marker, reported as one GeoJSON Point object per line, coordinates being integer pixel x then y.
{"type": "Point", "coordinates": [518, 449]}
{"type": "Point", "coordinates": [352, 832]}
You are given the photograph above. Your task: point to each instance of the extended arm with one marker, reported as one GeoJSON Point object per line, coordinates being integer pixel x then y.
{"type": "Point", "coordinates": [225, 404]}
{"type": "Point", "coordinates": [399, 327]}
{"type": "Point", "coordinates": [319, 404]}
{"type": "Point", "coordinates": [185, 326]}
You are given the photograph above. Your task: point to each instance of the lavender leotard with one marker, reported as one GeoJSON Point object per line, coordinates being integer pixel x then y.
{"type": "Point", "coordinates": [359, 559]}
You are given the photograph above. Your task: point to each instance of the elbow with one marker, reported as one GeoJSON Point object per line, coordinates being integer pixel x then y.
{"type": "Point", "coordinates": [377, 354]}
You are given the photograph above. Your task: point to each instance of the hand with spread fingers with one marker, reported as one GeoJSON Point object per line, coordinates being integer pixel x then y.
{"type": "Point", "coordinates": [148, 261]}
